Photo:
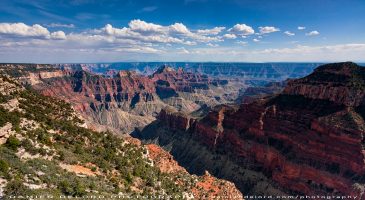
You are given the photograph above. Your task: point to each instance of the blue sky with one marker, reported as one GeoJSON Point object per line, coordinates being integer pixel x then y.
{"type": "Point", "coordinates": [51, 31]}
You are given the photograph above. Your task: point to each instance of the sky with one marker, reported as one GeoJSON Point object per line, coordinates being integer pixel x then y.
{"type": "Point", "coordinates": [88, 31]}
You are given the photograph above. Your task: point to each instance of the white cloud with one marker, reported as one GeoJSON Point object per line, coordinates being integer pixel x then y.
{"type": "Point", "coordinates": [142, 26]}
{"type": "Point", "coordinates": [23, 30]}
{"type": "Point", "coordinates": [58, 25]}
{"type": "Point", "coordinates": [148, 41]}
{"type": "Point", "coordinates": [175, 33]}
{"type": "Point", "coordinates": [301, 27]}
{"type": "Point", "coordinates": [268, 29]}
{"type": "Point", "coordinates": [213, 31]}
{"type": "Point", "coordinates": [58, 35]}
{"type": "Point", "coordinates": [146, 33]}
{"type": "Point", "coordinates": [288, 33]}
{"type": "Point", "coordinates": [312, 33]}
{"type": "Point", "coordinates": [138, 33]}
{"type": "Point", "coordinates": [179, 28]}
{"type": "Point", "coordinates": [182, 30]}
{"type": "Point", "coordinates": [230, 36]}
{"type": "Point", "coordinates": [118, 32]}
{"type": "Point", "coordinates": [36, 31]}
{"type": "Point", "coordinates": [242, 29]}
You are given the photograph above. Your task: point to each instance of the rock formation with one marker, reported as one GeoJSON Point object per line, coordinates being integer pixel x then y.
{"type": "Point", "coordinates": [307, 140]}
{"type": "Point", "coordinates": [46, 153]}
{"type": "Point", "coordinates": [123, 100]}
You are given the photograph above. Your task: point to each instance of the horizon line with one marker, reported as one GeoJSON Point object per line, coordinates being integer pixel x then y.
{"type": "Point", "coordinates": [242, 62]}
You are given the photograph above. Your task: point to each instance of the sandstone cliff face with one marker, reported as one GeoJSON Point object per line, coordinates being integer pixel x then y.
{"type": "Point", "coordinates": [342, 83]}
{"type": "Point", "coordinates": [184, 81]}
{"type": "Point", "coordinates": [120, 103]}
{"type": "Point", "coordinates": [125, 100]}
{"type": "Point", "coordinates": [306, 140]}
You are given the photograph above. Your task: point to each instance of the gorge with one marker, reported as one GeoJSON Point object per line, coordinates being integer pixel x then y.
{"type": "Point", "coordinates": [306, 140]}
{"type": "Point", "coordinates": [298, 136]}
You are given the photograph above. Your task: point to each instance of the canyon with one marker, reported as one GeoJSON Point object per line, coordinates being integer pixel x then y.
{"type": "Point", "coordinates": [306, 140]}
{"type": "Point", "coordinates": [125, 100]}
{"type": "Point", "coordinates": [46, 152]}
{"type": "Point", "coordinates": [122, 100]}
{"type": "Point", "coordinates": [270, 129]}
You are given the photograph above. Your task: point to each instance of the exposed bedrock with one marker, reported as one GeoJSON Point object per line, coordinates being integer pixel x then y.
{"type": "Point", "coordinates": [306, 140]}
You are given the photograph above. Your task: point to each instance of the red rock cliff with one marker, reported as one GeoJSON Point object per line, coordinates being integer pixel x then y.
{"type": "Point", "coordinates": [308, 140]}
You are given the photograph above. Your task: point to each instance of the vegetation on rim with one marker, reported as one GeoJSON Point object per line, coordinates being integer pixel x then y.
{"type": "Point", "coordinates": [48, 136]}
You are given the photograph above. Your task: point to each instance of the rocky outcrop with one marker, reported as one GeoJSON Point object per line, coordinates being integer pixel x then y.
{"type": "Point", "coordinates": [182, 81]}
{"type": "Point", "coordinates": [5, 132]}
{"type": "Point", "coordinates": [307, 140]}
{"type": "Point", "coordinates": [204, 187]}
{"type": "Point", "coordinates": [121, 103]}
{"type": "Point", "coordinates": [178, 121]}
{"type": "Point", "coordinates": [342, 83]}
{"type": "Point", "coordinates": [163, 160]}
{"type": "Point", "coordinates": [36, 77]}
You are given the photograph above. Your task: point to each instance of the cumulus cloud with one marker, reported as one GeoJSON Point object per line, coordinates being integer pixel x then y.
{"type": "Point", "coordinates": [128, 33]}
{"type": "Point", "coordinates": [312, 33]}
{"type": "Point", "coordinates": [182, 30]}
{"type": "Point", "coordinates": [288, 33]}
{"type": "Point", "coordinates": [154, 41]}
{"type": "Point", "coordinates": [138, 33]}
{"type": "Point", "coordinates": [268, 29]}
{"type": "Point", "coordinates": [58, 35]}
{"type": "Point", "coordinates": [179, 28]}
{"type": "Point", "coordinates": [213, 31]}
{"type": "Point", "coordinates": [242, 29]}
{"type": "Point", "coordinates": [23, 30]}
{"type": "Point", "coordinates": [301, 27]}
{"type": "Point", "coordinates": [230, 36]}
{"type": "Point", "coordinates": [139, 25]}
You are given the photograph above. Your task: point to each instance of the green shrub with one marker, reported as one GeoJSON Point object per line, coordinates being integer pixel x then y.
{"type": "Point", "coordinates": [4, 167]}
{"type": "Point", "coordinates": [79, 189]}
{"type": "Point", "coordinates": [12, 143]}
{"type": "Point", "coordinates": [65, 187]}
{"type": "Point", "coordinates": [73, 187]}
{"type": "Point", "coordinates": [17, 188]}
